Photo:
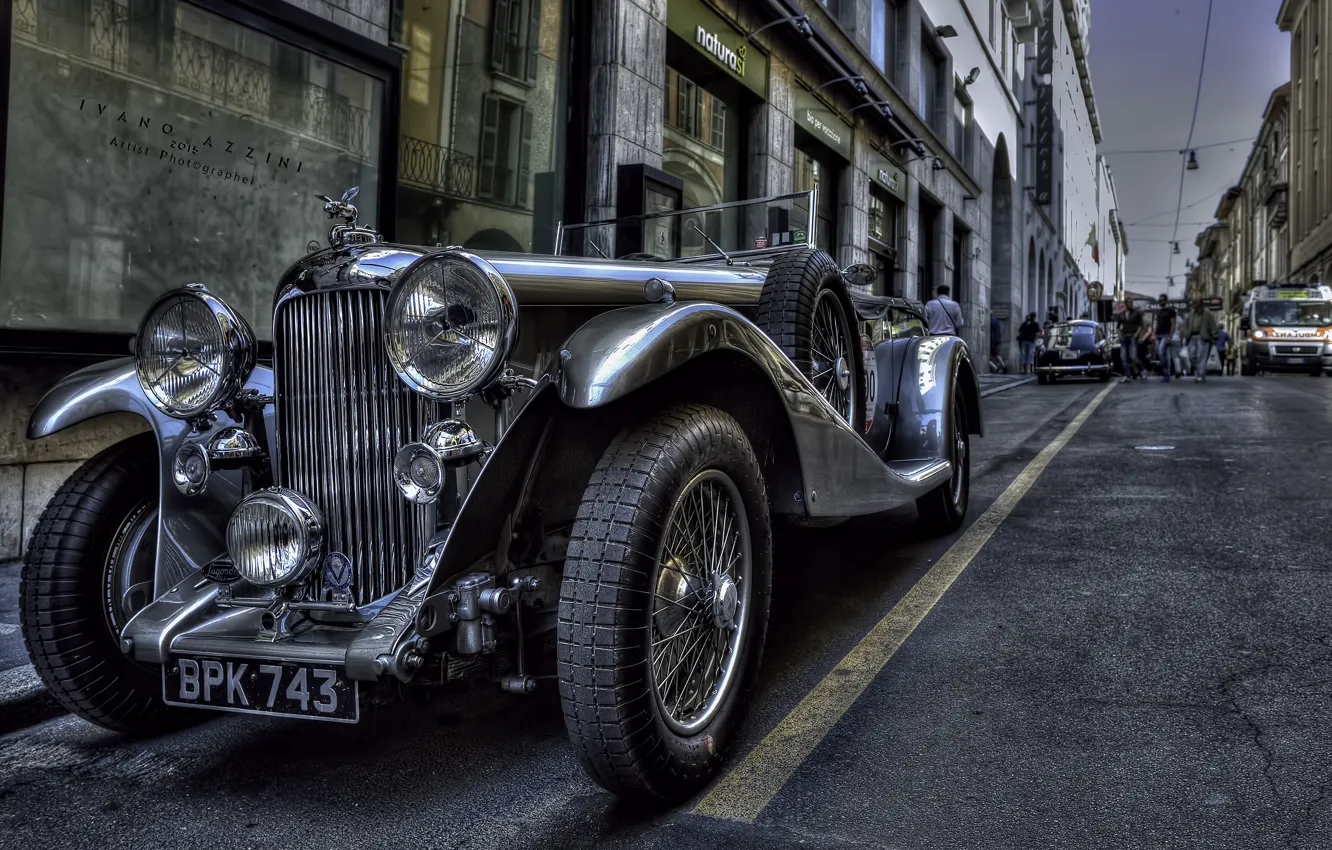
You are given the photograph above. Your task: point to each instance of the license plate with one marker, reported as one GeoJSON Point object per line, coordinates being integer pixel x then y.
{"type": "Point", "coordinates": [1068, 355]}
{"type": "Point", "coordinates": [1300, 360]}
{"type": "Point", "coordinates": [292, 689]}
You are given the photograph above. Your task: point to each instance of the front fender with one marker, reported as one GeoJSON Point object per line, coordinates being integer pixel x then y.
{"type": "Point", "coordinates": [621, 351]}
{"type": "Point", "coordinates": [191, 529]}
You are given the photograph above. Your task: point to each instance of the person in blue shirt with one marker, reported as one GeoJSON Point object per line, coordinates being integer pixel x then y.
{"type": "Point", "coordinates": [1222, 347]}
{"type": "Point", "coordinates": [943, 313]}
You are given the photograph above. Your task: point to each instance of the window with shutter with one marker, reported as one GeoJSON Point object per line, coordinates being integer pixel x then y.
{"type": "Point", "coordinates": [533, 38]}
{"type": "Point", "coordinates": [718, 124]}
{"type": "Point", "coordinates": [485, 182]}
{"type": "Point", "coordinates": [499, 34]}
{"type": "Point", "coordinates": [524, 158]}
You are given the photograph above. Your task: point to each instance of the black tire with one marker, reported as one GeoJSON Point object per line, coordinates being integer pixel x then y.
{"type": "Point", "coordinates": [791, 292]}
{"type": "Point", "coordinates": [943, 509]}
{"type": "Point", "coordinates": [1042, 378]}
{"type": "Point", "coordinates": [1103, 377]}
{"type": "Point", "coordinates": [1247, 369]}
{"type": "Point", "coordinates": [65, 598]}
{"type": "Point", "coordinates": [609, 606]}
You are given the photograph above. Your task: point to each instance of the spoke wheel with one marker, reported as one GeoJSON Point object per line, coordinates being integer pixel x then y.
{"type": "Point", "coordinates": [664, 603]}
{"type": "Point", "coordinates": [943, 509]}
{"type": "Point", "coordinates": [87, 571]}
{"type": "Point", "coordinates": [699, 603]}
{"type": "Point", "coordinates": [829, 349]}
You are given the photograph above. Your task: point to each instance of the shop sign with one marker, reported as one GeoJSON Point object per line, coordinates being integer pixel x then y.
{"type": "Point", "coordinates": [821, 123]}
{"type": "Point", "coordinates": [1044, 144]}
{"type": "Point", "coordinates": [889, 176]}
{"type": "Point", "coordinates": [719, 41]}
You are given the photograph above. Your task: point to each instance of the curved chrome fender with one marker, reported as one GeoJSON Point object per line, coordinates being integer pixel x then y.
{"type": "Point", "coordinates": [191, 530]}
{"type": "Point", "coordinates": [620, 351]}
{"type": "Point", "coordinates": [934, 368]}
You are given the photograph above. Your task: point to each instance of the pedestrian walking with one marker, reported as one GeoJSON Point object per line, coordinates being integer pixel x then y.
{"type": "Point", "coordinates": [1167, 337]}
{"type": "Point", "coordinates": [1201, 330]}
{"type": "Point", "coordinates": [996, 343]}
{"type": "Point", "coordinates": [943, 313]}
{"type": "Point", "coordinates": [1223, 348]}
{"type": "Point", "coordinates": [1027, 333]}
{"type": "Point", "coordinates": [1232, 360]}
{"type": "Point", "coordinates": [1130, 326]}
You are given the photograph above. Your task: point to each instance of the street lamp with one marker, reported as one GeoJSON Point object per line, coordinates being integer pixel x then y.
{"type": "Point", "coordinates": [1193, 160]}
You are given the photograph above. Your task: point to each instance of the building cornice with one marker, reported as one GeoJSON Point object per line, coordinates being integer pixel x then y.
{"type": "Point", "coordinates": [1084, 72]}
{"type": "Point", "coordinates": [1290, 10]}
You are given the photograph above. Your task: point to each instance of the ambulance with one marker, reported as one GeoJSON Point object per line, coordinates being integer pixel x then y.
{"type": "Point", "coordinates": [1287, 328]}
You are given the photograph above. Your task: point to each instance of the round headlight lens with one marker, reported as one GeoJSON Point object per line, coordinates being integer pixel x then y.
{"type": "Point", "coordinates": [450, 325]}
{"type": "Point", "coordinates": [275, 537]}
{"type": "Point", "coordinates": [193, 352]}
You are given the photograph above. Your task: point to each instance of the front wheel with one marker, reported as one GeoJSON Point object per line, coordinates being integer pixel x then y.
{"type": "Point", "coordinates": [943, 508]}
{"type": "Point", "coordinates": [87, 571]}
{"type": "Point", "coordinates": [664, 604]}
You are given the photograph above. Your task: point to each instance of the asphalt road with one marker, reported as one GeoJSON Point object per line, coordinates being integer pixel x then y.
{"type": "Point", "coordinates": [1139, 656]}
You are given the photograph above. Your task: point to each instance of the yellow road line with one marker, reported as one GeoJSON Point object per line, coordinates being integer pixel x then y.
{"type": "Point", "coordinates": [750, 785]}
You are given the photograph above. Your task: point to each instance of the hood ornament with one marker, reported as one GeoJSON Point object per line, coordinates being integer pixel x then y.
{"type": "Point", "coordinates": [347, 233]}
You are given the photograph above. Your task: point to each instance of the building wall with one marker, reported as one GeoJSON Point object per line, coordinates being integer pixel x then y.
{"type": "Point", "coordinates": [369, 18]}
{"type": "Point", "coordinates": [1310, 25]}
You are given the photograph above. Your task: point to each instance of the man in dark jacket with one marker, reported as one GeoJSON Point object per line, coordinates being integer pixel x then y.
{"type": "Point", "coordinates": [1130, 325]}
{"type": "Point", "coordinates": [1028, 331]}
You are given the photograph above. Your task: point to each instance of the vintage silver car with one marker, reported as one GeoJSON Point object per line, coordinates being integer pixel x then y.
{"type": "Point", "coordinates": [417, 492]}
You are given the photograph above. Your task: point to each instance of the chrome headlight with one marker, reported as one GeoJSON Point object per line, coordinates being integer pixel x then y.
{"type": "Point", "coordinates": [275, 537]}
{"type": "Point", "coordinates": [193, 352]}
{"type": "Point", "coordinates": [450, 325]}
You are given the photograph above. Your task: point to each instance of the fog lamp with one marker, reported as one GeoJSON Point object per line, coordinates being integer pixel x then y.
{"type": "Point", "coordinates": [275, 537]}
{"type": "Point", "coordinates": [418, 468]}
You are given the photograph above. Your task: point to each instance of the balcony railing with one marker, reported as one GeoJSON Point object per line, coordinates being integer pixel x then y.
{"type": "Point", "coordinates": [436, 168]}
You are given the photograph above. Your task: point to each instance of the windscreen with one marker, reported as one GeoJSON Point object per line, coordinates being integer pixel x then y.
{"type": "Point", "coordinates": [1292, 313]}
{"type": "Point", "coordinates": [1076, 337]}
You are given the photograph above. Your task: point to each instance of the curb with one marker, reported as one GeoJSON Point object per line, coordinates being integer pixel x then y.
{"type": "Point", "coordinates": [1006, 386]}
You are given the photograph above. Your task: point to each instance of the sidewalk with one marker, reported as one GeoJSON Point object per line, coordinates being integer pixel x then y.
{"type": "Point", "coordinates": [991, 383]}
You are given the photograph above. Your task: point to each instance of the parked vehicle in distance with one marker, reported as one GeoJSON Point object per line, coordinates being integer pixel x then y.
{"type": "Point", "coordinates": [284, 538]}
{"type": "Point", "coordinates": [1076, 349]}
{"type": "Point", "coordinates": [1287, 328]}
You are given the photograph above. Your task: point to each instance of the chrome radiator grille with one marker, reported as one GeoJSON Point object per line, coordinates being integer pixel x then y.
{"type": "Point", "coordinates": [342, 413]}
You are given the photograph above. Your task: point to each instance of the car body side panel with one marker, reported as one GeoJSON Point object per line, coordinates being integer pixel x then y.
{"type": "Point", "coordinates": [624, 350]}
{"type": "Point", "coordinates": [192, 529]}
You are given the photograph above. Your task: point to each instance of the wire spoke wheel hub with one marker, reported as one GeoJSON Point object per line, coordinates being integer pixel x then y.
{"type": "Point", "coordinates": [829, 344]}
{"type": "Point", "coordinates": [700, 601]}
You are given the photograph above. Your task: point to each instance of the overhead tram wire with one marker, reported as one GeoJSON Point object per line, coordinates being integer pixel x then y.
{"type": "Point", "coordinates": [1175, 151]}
{"type": "Point", "coordinates": [1193, 124]}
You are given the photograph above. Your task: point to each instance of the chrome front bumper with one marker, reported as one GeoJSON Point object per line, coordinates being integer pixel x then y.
{"type": "Point", "coordinates": [188, 619]}
{"type": "Point", "coordinates": [1084, 369]}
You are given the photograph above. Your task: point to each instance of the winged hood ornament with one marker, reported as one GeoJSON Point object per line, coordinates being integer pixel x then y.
{"type": "Point", "coordinates": [349, 231]}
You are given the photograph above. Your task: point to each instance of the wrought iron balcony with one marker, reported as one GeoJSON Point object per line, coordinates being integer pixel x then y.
{"type": "Point", "coordinates": [436, 168]}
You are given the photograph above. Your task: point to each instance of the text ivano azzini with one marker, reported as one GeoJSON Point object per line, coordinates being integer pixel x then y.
{"type": "Point", "coordinates": [177, 151]}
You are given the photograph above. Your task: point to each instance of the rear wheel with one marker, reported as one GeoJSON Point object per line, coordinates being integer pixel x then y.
{"type": "Point", "coordinates": [806, 310]}
{"type": "Point", "coordinates": [943, 508]}
{"type": "Point", "coordinates": [87, 571]}
{"type": "Point", "coordinates": [664, 604]}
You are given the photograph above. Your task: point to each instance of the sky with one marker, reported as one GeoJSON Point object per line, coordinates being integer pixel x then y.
{"type": "Point", "coordinates": [1144, 57]}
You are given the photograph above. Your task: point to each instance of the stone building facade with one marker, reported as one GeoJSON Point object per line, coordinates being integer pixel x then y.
{"type": "Point", "coordinates": [1310, 26]}
{"type": "Point", "coordinates": [1250, 242]}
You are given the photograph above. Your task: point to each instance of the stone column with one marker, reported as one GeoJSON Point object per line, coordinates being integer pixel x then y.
{"type": "Point", "coordinates": [626, 94]}
{"type": "Point", "coordinates": [853, 204]}
{"type": "Point", "coordinates": [771, 149]}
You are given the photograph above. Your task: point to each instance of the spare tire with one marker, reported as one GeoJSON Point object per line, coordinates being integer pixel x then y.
{"type": "Point", "coordinates": [805, 308]}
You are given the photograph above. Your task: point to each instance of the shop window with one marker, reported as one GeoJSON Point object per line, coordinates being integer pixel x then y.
{"type": "Point", "coordinates": [811, 173]}
{"type": "Point", "coordinates": [480, 158]}
{"type": "Point", "coordinates": [701, 146]}
{"type": "Point", "coordinates": [515, 38]}
{"type": "Point", "coordinates": [884, 214]}
{"type": "Point", "coordinates": [169, 145]}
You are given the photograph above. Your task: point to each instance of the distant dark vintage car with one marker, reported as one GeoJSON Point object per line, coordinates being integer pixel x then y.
{"type": "Point", "coordinates": [1077, 349]}
{"type": "Point", "coordinates": [285, 538]}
